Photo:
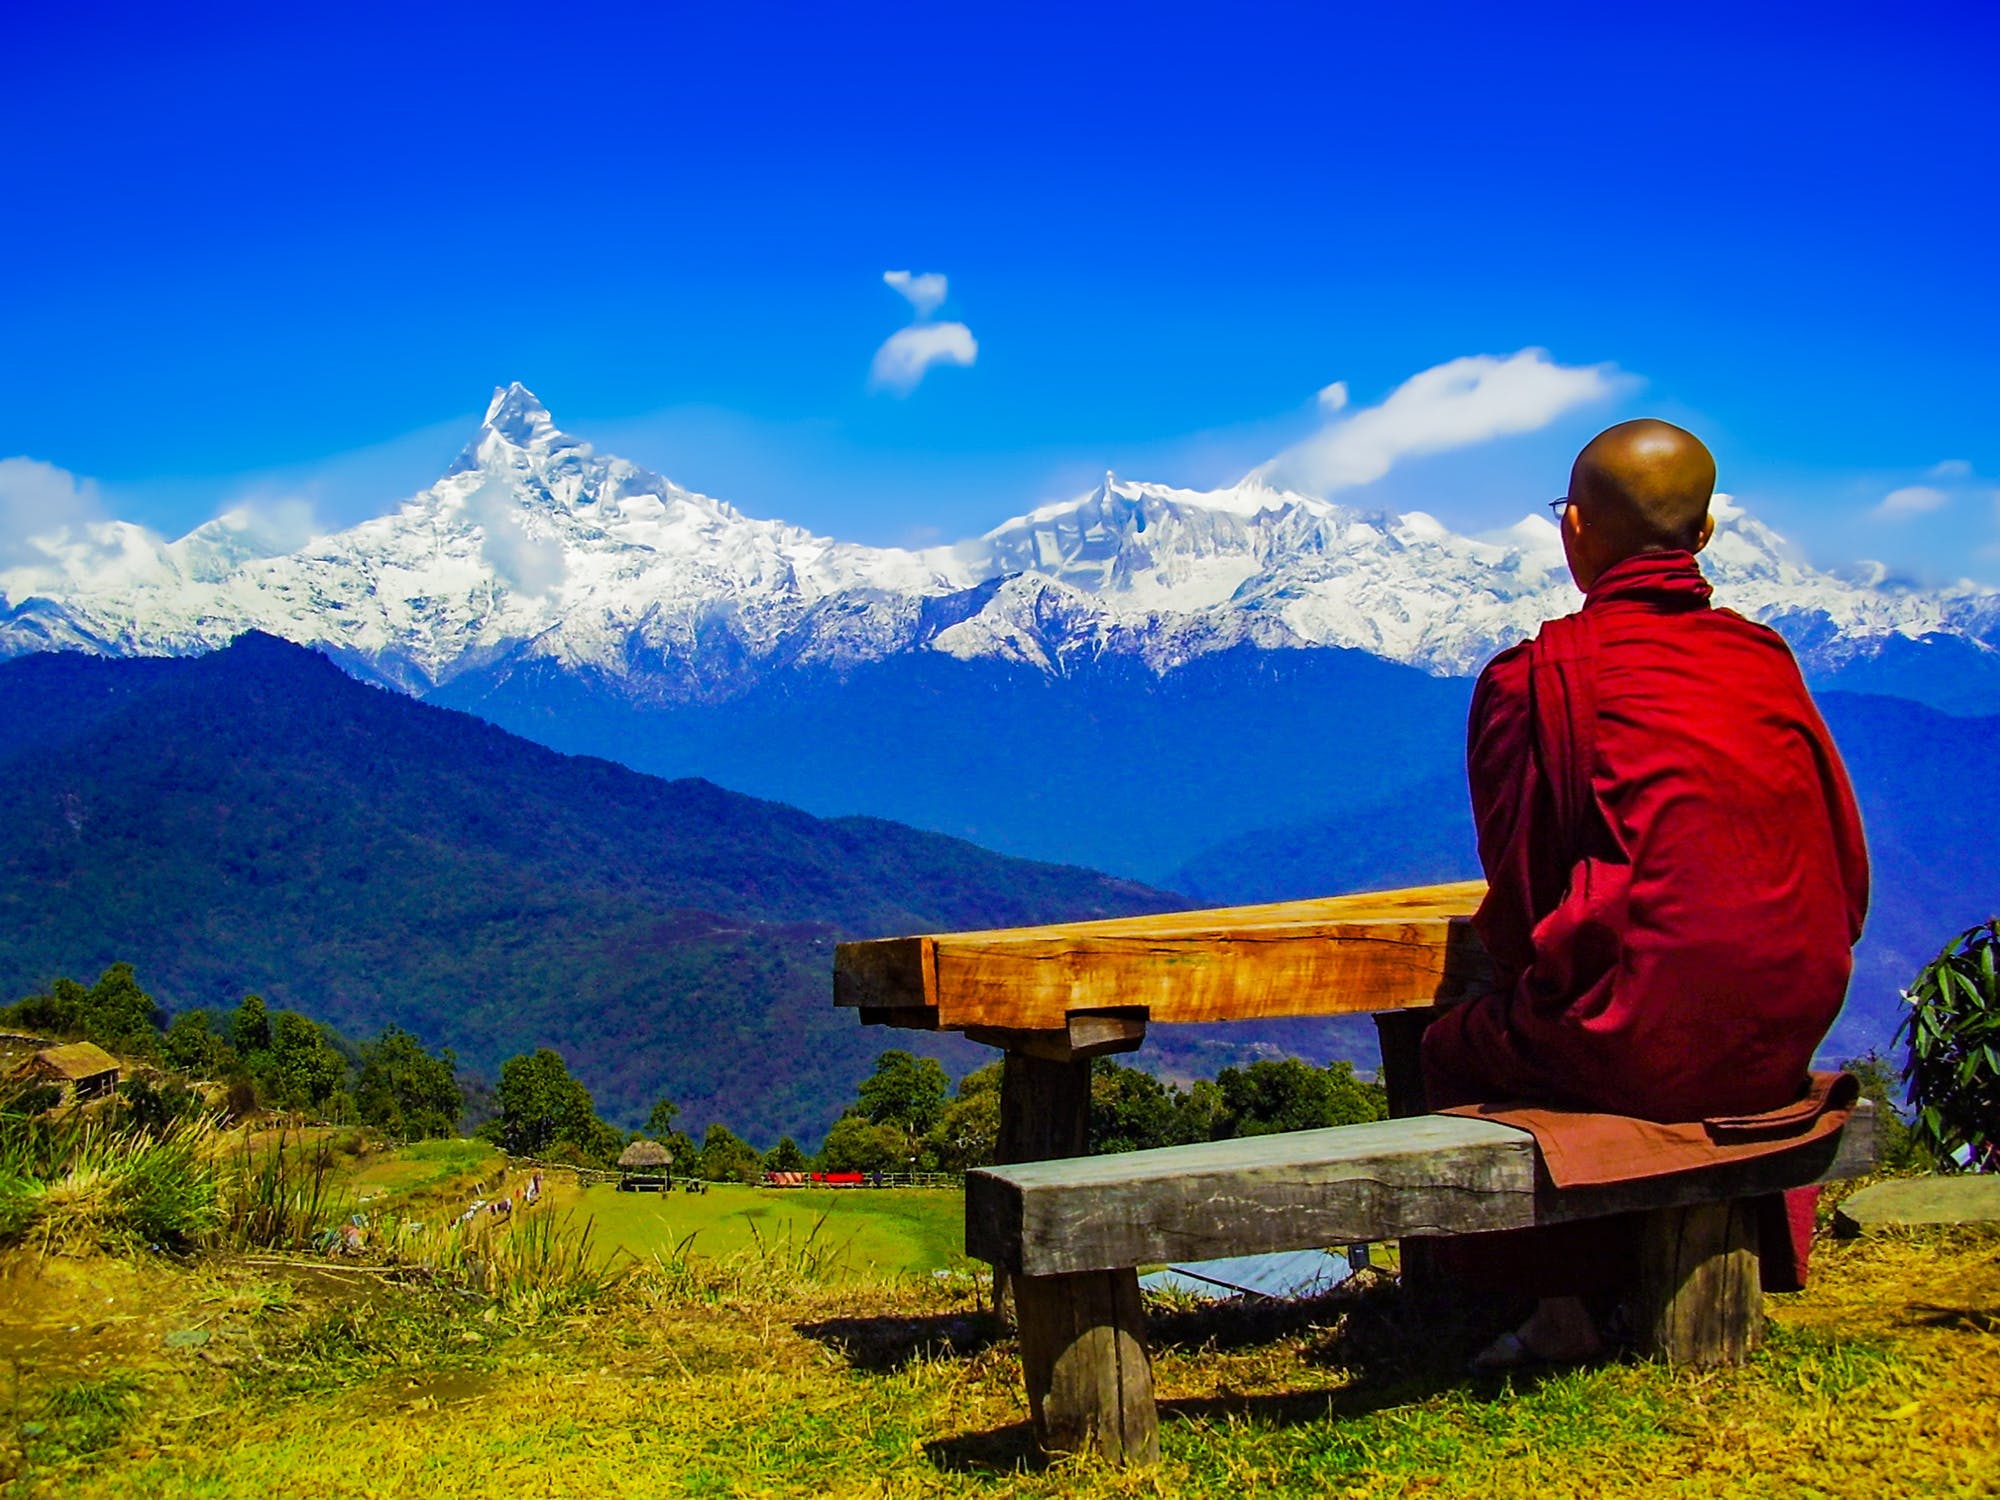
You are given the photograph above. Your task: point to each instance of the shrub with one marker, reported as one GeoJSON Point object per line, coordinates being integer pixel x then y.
{"type": "Point", "coordinates": [87, 1181]}
{"type": "Point", "coordinates": [1954, 1070]}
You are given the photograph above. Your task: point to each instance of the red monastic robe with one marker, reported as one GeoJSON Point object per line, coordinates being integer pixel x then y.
{"type": "Point", "coordinates": [1675, 863]}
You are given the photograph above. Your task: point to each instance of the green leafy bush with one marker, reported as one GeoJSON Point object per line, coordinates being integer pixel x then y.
{"type": "Point", "coordinates": [1953, 1074]}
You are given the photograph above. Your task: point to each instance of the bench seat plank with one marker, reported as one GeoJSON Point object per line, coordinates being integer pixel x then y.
{"type": "Point", "coordinates": [1423, 1175]}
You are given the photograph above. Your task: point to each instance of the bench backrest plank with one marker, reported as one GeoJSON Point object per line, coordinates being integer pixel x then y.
{"type": "Point", "coordinates": [1428, 1174]}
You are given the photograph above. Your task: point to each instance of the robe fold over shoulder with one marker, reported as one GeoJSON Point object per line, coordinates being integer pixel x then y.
{"type": "Point", "coordinates": [1676, 868]}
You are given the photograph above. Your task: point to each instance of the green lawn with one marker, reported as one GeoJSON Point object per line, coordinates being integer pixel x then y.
{"type": "Point", "coordinates": [870, 1232]}
{"type": "Point", "coordinates": [395, 1177]}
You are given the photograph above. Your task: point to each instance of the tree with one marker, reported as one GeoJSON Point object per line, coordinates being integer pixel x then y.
{"type": "Point", "coordinates": [543, 1110]}
{"type": "Point", "coordinates": [114, 1012]}
{"type": "Point", "coordinates": [905, 1090]}
{"type": "Point", "coordinates": [1277, 1094]}
{"type": "Point", "coordinates": [59, 1011]}
{"type": "Point", "coordinates": [786, 1157]}
{"type": "Point", "coordinates": [1954, 1067]}
{"type": "Point", "coordinates": [660, 1123]}
{"type": "Point", "coordinates": [193, 1046]}
{"type": "Point", "coordinates": [856, 1144]}
{"type": "Point", "coordinates": [250, 1027]}
{"type": "Point", "coordinates": [726, 1157]}
{"type": "Point", "coordinates": [307, 1071]}
{"type": "Point", "coordinates": [121, 1015]}
{"type": "Point", "coordinates": [405, 1090]}
{"type": "Point", "coordinates": [967, 1134]}
{"type": "Point", "coordinates": [1131, 1110]}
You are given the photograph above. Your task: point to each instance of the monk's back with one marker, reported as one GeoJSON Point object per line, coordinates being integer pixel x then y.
{"type": "Point", "coordinates": [1675, 868]}
{"type": "Point", "coordinates": [1718, 786]}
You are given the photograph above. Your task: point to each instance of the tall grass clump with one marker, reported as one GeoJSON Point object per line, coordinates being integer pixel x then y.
{"type": "Point", "coordinates": [533, 1265]}
{"type": "Point", "coordinates": [281, 1193]}
{"type": "Point", "coordinates": [82, 1180]}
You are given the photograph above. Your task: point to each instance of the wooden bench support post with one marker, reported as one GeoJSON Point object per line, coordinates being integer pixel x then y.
{"type": "Point", "coordinates": [1044, 1115]}
{"type": "Point", "coordinates": [1083, 1352]}
{"type": "Point", "coordinates": [1401, 1034]}
{"type": "Point", "coordinates": [1700, 1300]}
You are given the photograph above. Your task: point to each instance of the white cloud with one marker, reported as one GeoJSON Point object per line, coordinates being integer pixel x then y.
{"type": "Point", "coordinates": [1910, 500]}
{"type": "Point", "coordinates": [525, 562]}
{"type": "Point", "coordinates": [1461, 402]}
{"type": "Point", "coordinates": [909, 352]}
{"type": "Point", "coordinates": [925, 292]}
{"type": "Point", "coordinates": [41, 503]}
{"type": "Point", "coordinates": [1333, 397]}
{"type": "Point", "coordinates": [273, 524]}
{"type": "Point", "coordinates": [1950, 468]}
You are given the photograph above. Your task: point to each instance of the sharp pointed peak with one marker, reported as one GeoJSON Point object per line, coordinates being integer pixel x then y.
{"type": "Point", "coordinates": [517, 414]}
{"type": "Point", "coordinates": [516, 418]}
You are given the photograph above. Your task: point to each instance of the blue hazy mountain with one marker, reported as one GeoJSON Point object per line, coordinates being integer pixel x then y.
{"type": "Point", "coordinates": [257, 821]}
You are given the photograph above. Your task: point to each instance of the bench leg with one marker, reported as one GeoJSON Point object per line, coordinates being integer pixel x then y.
{"type": "Point", "coordinates": [1700, 1300]}
{"type": "Point", "coordinates": [1044, 1114]}
{"type": "Point", "coordinates": [1083, 1351]}
{"type": "Point", "coordinates": [1401, 1035]}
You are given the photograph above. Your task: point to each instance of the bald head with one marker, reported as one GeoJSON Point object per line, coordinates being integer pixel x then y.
{"type": "Point", "coordinates": [1641, 486]}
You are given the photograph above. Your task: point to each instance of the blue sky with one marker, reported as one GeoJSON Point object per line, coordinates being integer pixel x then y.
{"type": "Point", "coordinates": [288, 257]}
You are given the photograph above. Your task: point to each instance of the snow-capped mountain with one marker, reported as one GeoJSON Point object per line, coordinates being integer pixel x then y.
{"type": "Point", "coordinates": [532, 549]}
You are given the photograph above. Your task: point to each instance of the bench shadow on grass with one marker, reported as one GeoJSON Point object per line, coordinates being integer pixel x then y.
{"type": "Point", "coordinates": [884, 1345]}
{"type": "Point", "coordinates": [1394, 1349]}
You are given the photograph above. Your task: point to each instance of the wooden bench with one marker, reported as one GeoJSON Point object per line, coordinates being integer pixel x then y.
{"type": "Point", "coordinates": [1073, 1234]}
{"type": "Point", "coordinates": [1068, 1232]}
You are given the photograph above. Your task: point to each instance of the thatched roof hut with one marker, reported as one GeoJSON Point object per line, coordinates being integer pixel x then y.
{"type": "Point", "coordinates": [83, 1070]}
{"type": "Point", "coordinates": [645, 1156]}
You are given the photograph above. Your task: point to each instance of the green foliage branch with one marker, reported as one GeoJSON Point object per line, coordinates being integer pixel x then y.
{"type": "Point", "coordinates": [1953, 1073]}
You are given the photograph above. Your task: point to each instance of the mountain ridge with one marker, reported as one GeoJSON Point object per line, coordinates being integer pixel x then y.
{"type": "Point", "coordinates": [257, 820]}
{"type": "Point", "coordinates": [534, 549]}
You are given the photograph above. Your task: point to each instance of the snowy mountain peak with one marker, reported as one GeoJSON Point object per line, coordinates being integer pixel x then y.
{"type": "Point", "coordinates": [533, 553]}
{"type": "Point", "coordinates": [517, 414]}
{"type": "Point", "coordinates": [516, 424]}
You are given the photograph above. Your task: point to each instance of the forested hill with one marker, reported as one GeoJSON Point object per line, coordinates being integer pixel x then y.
{"type": "Point", "coordinates": [255, 820]}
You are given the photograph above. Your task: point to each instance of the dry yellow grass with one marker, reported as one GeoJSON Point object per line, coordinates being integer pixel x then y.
{"type": "Point", "coordinates": [1884, 1379]}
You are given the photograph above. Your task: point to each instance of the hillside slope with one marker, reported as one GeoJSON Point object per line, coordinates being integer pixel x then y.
{"type": "Point", "coordinates": [257, 820]}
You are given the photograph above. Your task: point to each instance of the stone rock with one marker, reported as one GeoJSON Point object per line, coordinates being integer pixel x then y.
{"type": "Point", "coordinates": [1908, 1202]}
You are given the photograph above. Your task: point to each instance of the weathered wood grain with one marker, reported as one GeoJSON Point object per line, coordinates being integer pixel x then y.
{"type": "Point", "coordinates": [1433, 1174]}
{"type": "Point", "coordinates": [1044, 1114]}
{"type": "Point", "coordinates": [1083, 1356]}
{"type": "Point", "coordinates": [1371, 951]}
{"type": "Point", "coordinates": [1700, 1298]}
{"type": "Point", "coordinates": [1437, 1173]}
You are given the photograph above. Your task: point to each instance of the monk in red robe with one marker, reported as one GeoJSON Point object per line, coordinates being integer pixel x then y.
{"type": "Point", "coordinates": [1675, 862]}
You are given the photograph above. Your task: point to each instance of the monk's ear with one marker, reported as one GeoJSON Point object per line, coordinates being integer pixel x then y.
{"type": "Point", "coordinates": [1707, 531]}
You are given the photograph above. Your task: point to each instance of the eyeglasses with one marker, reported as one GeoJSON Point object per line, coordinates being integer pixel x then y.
{"type": "Point", "coordinates": [1560, 505]}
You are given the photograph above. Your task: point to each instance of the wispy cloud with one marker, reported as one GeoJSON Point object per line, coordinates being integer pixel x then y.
{"type": "Point", "coordinates": [525, 562]}
{"type": "Point", "coordinates": [907, 354]}
{"type": "Point", "coordinates": [1910, 500]}
{"type": "Point", "coordinates": [1950, 468]}
{"type": "Point", "coordinates": [272, 523]}
{"type": "Point", "coordinates": [1461, 402]}
{"type": "Point", "coordinates": [40, 501]}
{"type": "Point", "coordinates": [925, 293]}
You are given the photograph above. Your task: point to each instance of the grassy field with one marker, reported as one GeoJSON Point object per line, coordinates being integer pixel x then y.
{"type": "Point", "coordinates": [147, 1378]}
{"type": "Point", "coordinates": [865, 1233]}
{"type": "Point", "coordinates": [858, 1233]}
